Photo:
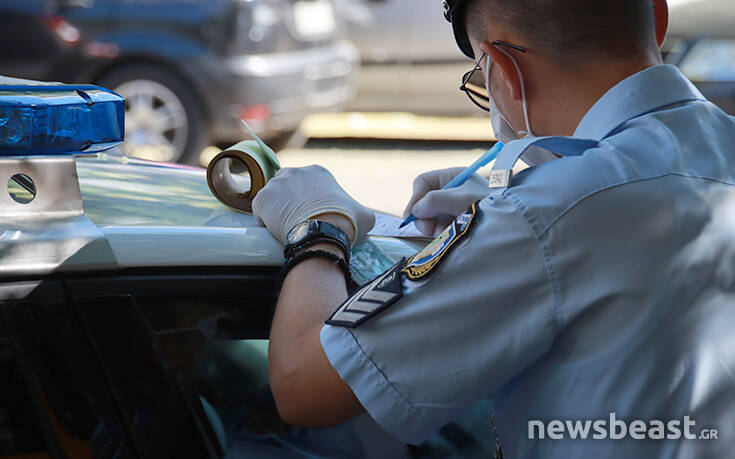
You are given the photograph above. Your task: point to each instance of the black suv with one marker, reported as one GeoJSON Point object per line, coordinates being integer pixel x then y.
{"type": "Point", "coordinates": [189, 69]}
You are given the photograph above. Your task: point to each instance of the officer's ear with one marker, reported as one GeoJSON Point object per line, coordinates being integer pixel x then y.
{"type": "Point", "coordinates": [661, 15]}
{"type": "Point", "coordinates": [505, 69]}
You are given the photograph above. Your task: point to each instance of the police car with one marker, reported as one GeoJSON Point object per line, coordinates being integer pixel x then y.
{"type": "Point", "coordinates": [135, 308]}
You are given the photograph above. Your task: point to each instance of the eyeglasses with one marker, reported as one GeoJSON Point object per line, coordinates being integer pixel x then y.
{"type": "Point", "coordinates": [473, 84]}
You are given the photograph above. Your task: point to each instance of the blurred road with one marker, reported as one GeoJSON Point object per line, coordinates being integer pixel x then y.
{"type": "Point", "coordinates": [398, 126]}
{"type": "Point", "coordinates": [380, 174]}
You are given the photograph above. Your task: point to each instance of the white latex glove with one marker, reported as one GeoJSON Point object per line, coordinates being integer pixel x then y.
{"type": "Point", "coordinates": [294, 195]}
{"type": "Point", "coordinates": [436, 208]}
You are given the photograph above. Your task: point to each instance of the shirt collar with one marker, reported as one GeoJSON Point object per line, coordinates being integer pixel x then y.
{"type": "Point", "coordinates": [639, 94]}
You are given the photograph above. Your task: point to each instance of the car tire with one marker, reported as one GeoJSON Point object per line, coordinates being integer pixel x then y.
{"type": "Point", "coordinates": [164, 120]}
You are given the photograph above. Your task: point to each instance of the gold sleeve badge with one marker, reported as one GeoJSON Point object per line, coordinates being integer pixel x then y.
{"type": "Point", "coordinates": [423, 263]}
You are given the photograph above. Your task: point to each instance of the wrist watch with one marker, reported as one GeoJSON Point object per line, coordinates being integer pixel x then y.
{"type": "Point", "coordinates": [312, 232]}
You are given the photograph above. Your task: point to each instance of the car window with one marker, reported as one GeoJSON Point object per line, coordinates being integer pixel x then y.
{"type": "Point", "coordinates": [219, 346]}
{"type": "Point", "coordinates": [20, 427]}
{"type": "Point", "coordinates": [149, 395]}
{"type": "Point", "coordinates": [64, 376]}
{"type": "Point", "coordinates": [710, 60]}
{"type": "Point", "coordinates": [220, 349]}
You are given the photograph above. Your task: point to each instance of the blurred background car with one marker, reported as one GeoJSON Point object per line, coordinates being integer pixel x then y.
{"type": "Point", "coordinates": [411, 63]}
{"type": "Point", "coordinates": [410, 60]}
{"type": "Point", "coordinates": [188, 69]}
{"type": "Point", "coordinates": [701, 42]}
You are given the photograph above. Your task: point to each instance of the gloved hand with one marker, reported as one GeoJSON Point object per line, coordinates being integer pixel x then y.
{"type": "Point", "coordinates": [436, 208]}
{"type": "Point", "coordinates": [294, 195]}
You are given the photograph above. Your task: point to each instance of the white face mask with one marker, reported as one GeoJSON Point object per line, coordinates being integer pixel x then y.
{"type": "Point", "coordinates": [502, 128]}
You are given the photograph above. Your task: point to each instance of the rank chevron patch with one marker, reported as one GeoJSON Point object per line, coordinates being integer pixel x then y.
{"type": "Point", "coordinates": [371, 299]}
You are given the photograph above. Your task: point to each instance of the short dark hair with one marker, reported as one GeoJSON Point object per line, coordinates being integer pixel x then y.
{"type": "Point", "coordinates": [580, 28]}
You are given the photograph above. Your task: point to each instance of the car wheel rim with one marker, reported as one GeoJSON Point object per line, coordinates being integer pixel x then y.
{"type": "Point", "coordinates": [156, 123]}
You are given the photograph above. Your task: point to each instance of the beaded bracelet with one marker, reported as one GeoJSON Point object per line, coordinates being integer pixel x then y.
{"type": "Point", "coordinates": [309, 254]}
{"type": "Point", "coordinates": [289, 250]}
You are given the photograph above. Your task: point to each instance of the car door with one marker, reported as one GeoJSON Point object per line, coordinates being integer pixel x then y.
{"type": "Point", "coordinates": [432, 39]}
{"type": "Point", "coordinates": [27, 47]}
{"type": "Point", "coordinates": [56, 40]}
{"type": "Point", "coordinates": [379, 28]}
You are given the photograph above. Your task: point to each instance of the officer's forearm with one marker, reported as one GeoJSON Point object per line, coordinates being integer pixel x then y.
{"type": "Point", "coordinates": [307, 390]}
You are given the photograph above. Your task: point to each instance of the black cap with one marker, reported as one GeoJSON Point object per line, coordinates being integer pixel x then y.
{"type": "Point", "coordinates": [454, 12]}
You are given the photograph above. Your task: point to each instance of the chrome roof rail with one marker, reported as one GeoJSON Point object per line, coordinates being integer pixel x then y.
{"type": "Point", "coordinates": [49, 184]}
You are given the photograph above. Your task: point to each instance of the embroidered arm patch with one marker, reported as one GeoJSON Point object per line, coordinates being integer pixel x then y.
{"type": "Point", "coordinates": [371, 299]}
{"type": "Point", "coordinates": [426, 260]}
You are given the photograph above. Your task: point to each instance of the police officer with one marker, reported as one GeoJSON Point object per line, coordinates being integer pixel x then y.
{"type": "Point", "coordinates": [596, 285]}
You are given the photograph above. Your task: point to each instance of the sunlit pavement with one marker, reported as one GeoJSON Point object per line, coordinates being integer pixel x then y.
{"type": "Point", "coordinates": [396, 125]}
{"type": "Point", "coordinates": [380, 178]}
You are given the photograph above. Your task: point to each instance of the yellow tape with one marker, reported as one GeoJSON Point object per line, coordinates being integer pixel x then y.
{"type": "Point", "coordinates": [227, 172]}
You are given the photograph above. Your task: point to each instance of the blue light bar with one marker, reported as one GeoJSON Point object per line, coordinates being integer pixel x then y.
{"type": "Point", "coordinates": [52, 119]}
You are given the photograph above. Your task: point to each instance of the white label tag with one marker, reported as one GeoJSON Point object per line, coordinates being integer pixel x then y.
{"type": "Point", "coordinates": [500, 179]}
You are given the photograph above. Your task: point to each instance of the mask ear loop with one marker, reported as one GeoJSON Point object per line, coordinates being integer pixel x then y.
{"type": "Point", "coordinates": [491, 99]}
{"type": "Point", "coordinates": [523, 90]}
{"type": "Point", "coordinates": [488, 63]}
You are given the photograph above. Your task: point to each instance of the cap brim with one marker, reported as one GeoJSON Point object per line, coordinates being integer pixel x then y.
{"type": "Point", "coordinates": [460, 35]}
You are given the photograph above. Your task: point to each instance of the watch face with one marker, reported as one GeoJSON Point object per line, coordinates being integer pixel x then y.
{"type": "Point", "coordinates": [298, 232]}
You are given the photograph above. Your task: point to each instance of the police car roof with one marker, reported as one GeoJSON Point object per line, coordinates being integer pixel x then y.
{"type": "Point", "coordinates": [156, 214]}
{"type": "Point", "coordinates": [144, 214]}
{"type": "Point", "coordinates": [104, 211]}
{"type": "Point", "coordinates": [137, 214]}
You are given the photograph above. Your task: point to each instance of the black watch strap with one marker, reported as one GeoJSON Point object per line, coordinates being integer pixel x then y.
{"type": "Point", "coordinates": [311, 232]}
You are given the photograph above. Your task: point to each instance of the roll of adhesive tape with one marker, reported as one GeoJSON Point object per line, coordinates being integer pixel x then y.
{"type": "Point", "coordinates": [236, 175]}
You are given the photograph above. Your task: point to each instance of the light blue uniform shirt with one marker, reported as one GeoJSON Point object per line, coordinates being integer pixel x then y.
{"type": "Point", "coordinates": [597, 283]}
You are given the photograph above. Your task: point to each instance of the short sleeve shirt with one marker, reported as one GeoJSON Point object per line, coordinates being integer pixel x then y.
{"type": "Point", "coordinates": [594, 285]}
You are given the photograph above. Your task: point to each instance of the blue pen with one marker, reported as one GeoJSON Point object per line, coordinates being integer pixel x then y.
{"type": "Point", "coordinates": [465, 175]}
